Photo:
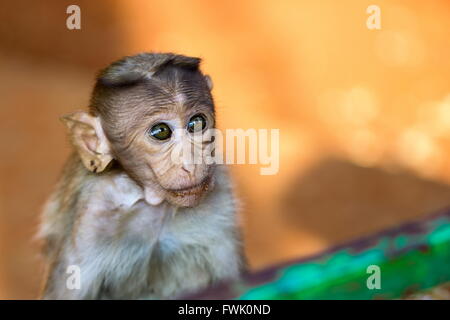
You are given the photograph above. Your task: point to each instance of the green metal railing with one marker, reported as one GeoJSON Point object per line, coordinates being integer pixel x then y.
{"type": "Point", "coordinates": [405, 259]}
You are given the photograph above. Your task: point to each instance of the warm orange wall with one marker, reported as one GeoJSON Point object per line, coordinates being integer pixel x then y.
{"type": "Point", "coordinates": [364, 114]}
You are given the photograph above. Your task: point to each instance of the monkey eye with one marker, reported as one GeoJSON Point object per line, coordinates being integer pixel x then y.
{"type": "Point", "coordinates": [196, 123]}
{"type": "Point", "coordinates": [160, 131]}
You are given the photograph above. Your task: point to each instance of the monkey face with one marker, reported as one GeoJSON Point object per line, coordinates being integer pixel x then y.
{"type": "Point", "coordinates": [167, 153]}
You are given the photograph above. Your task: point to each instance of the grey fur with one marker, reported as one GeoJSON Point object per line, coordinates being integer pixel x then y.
{"type": "Point", "coordinates": [129, 255]}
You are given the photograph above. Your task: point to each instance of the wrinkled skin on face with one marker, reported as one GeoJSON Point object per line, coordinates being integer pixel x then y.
{"type": "Point", "coordinates": [124, 111]}
{"type": "Point", "coordinates": [166, 168]}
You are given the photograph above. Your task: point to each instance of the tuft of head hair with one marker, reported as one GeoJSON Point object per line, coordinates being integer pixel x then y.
{"type": "Point", "coordinates": [133, 69]}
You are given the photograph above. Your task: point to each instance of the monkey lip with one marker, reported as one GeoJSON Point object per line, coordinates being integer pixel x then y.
{"type": "Point", "coordinates": [191, 190]}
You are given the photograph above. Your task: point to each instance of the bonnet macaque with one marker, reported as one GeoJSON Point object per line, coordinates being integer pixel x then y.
{"type": "Point", "coordinates": [135, 222]}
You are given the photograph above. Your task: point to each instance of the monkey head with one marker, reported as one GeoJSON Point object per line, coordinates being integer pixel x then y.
{"type": "Point", "coordinates": [150, 113]}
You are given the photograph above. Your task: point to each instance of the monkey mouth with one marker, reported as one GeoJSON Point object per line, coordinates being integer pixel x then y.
{"type": "Point", "coordinates": [196, 189]}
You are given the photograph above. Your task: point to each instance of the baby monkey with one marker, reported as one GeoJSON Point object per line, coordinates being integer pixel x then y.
{"type": "Point", "coordinates": [134, 222]}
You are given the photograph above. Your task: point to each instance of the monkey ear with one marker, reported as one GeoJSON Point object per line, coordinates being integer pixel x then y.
{"type": "Point", "coordinates": [209, 82]}
{"type": "Point", "coordinates": [86, 134]}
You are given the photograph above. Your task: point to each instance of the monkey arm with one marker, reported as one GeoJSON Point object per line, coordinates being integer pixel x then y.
{"type": "Point", "coordinates": [97, 233]}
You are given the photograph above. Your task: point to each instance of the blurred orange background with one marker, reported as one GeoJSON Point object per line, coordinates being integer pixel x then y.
{"type": "Point", "coordinates": [364, 115]}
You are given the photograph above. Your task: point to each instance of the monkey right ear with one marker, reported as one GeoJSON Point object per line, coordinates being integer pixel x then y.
{"type": "Point", "coordinates": [209, 82]}
{"type": "Point", "coordinates": [86, 134]}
